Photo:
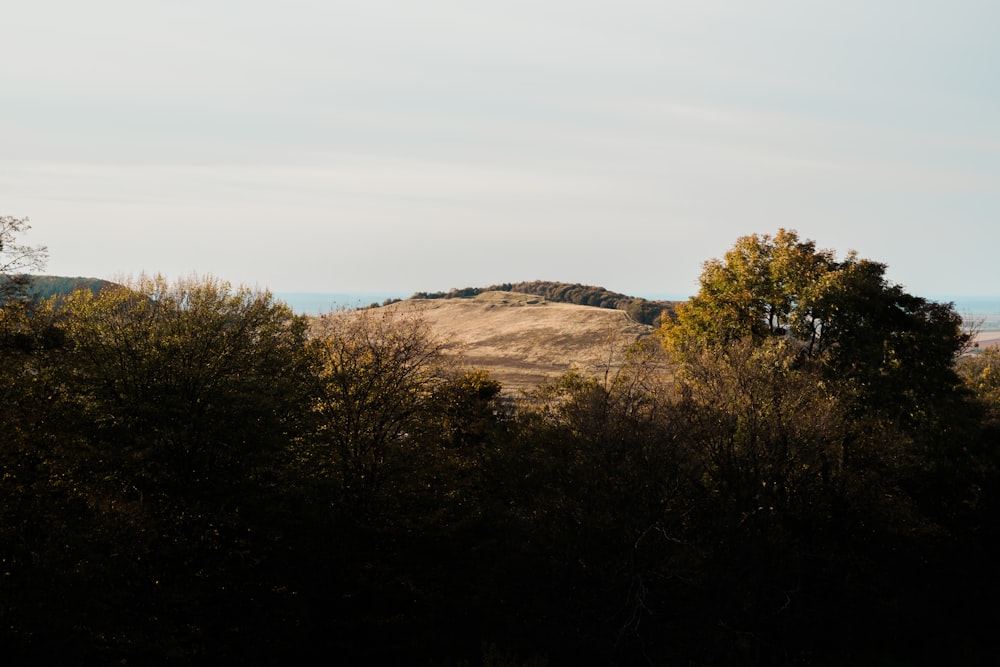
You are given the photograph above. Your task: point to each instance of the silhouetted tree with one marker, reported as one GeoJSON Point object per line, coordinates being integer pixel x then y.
{"type": "Point", "coordinates": [375, 369]}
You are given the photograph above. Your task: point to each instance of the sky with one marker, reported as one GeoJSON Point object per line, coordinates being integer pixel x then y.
{"type": "Point", "coordinates": [392, 145]}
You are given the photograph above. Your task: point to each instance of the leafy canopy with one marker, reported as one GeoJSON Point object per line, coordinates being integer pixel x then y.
{"type": "Point", "coordinates": [883, 347]}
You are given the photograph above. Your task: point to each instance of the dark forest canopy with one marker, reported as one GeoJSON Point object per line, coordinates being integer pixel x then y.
{"type": "Point", "coordinates": [641, 310]}
{"type": "Point", "coordinates": [190, 475]}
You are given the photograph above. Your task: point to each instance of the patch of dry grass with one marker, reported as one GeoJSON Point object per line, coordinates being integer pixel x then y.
{"type": "Point", "coordinates": [523, 339]}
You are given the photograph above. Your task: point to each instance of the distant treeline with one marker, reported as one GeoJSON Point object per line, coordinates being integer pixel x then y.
{"type": "Point", "coordinates": [45, 287]}
{"type": "Point", "coordinates": [639, 309]}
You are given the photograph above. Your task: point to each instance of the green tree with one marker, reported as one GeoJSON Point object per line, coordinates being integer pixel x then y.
{"type": "Point", "coordinates": [797, 507]}
{"type": "Point", "coordinates": [821, 409]}
{"type": "Point", "coordinates": [185, 383]}
{"type": "Point", "coordinates": [981, 373]}
{"type": "Point", "coordinates": [890, 351]}
{"type": "Point", "coordinates": [760, 288]}
{"type": "Point", "coordinates": [144, 448]}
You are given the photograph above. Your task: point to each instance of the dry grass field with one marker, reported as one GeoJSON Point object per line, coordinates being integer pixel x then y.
{"type": "Point", "coordinates": [523, 339]}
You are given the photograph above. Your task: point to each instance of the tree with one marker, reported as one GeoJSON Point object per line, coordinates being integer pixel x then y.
{"type": "Point", "coordinates": [375, 371]}
{"type": "Point", "coordinates": [890, 351]}
{"type": "Point", "coordinates": [591, 479]}
{"type": "Point", "coordinates": [760, 288]}
{"type": "Point", "coordinates": [183, 385]}
{"type": "Point", "coordinates": [16, 258]}
{"type": "Point", "coordinates": [981, 373]}
{"type": "Point", "coordinates": [141, 458]}
{"type": "Point", "coordinates": [830, 433]}
{"type": "Point", "coordinates": [464, 410]}
{"type": "Point", "coordinates": [760, 426]}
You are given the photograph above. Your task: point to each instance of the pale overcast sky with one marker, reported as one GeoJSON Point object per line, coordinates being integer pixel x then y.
{"type": "Point", "coordinates": [400, 145]}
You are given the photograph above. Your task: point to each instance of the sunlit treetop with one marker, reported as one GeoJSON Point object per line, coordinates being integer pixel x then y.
{"type": "Point", "coordinates": [865, 331]}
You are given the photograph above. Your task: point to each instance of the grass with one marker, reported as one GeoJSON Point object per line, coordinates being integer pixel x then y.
{"type": "Point", "coordinates": [524, 340]}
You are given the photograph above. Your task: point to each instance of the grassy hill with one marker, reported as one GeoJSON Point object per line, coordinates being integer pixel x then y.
{"type": "Point", "coordinates": [639, 309]}
{"type": "Point", "coordinates": [524, 339]}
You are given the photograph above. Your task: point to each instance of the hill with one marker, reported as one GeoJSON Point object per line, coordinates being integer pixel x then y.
{"type": "Point", "coordinates": [524, 339]}
{"type": "Point", "coordinates": [639, 309]}
{"type": "Point", "coordinates": [41, 288]}
{"type": "Point", "coordinates": [44, 287]}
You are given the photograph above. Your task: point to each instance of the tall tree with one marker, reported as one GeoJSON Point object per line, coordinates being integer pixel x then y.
{"type": "Point", "coordinates": [375, 370]}
{"type": "Point", "coordinates": [888, 350]}
{"type": "Point", "coordinates": [760, 288]}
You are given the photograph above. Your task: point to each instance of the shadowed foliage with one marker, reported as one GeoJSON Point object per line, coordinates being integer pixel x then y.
{"type": "Point", "coordinates": [191, 475]}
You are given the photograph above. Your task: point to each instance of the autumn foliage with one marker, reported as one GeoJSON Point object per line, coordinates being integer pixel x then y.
{"type": "Point", "coordinates": [801, 469]}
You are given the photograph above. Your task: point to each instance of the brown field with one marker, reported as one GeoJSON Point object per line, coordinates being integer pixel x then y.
{"type": "Point", "coordinates": [523, 339]}
{"type": "Point", "coordinates": [988, 338]}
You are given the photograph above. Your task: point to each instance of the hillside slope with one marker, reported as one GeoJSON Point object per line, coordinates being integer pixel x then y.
{"type": "Point", "coordinates": [639, 309]}
{"type": "Point", "coordinates": [523, 339]}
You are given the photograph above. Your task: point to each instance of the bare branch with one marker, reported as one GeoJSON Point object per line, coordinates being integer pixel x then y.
{"type": "Point", "coordinates": [16, 259]}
